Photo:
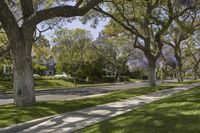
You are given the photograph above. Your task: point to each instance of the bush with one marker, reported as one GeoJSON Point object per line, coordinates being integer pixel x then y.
{"type": "Point", "coordinates": [94, 79]}
{"type": "Point", "coordinates": [138, 75]}
{"type": "Point", "coordinates": [49, 78]}
{"type": "Point", "coordinates": [112, 79]}
{"type": "Point", "coordinates": [7, 78]}
{"type": "Point", "coordinates": [124, 78]}
{"type": "Point", "coordinates": [109, 79]}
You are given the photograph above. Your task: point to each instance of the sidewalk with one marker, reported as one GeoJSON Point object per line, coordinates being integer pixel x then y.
{"type": "Point", "coordinates": [72, 121]}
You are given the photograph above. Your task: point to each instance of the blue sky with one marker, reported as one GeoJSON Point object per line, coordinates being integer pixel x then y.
{"type": "Point", "coordinates": [77, 24]}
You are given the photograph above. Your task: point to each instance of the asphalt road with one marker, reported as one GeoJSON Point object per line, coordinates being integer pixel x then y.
{"type": "Point", "coordinates": [75, 93]}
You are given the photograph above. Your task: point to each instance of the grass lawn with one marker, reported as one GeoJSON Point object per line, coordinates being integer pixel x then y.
{"type": "Point", "coordinates": [177, 114]}
{"type": "Point", "coordinates": [10, 114]}
{"type": "Point", "coordinates": [5, 86]}
{"type": "Point", "coordinates": [135, 80]}
{"type": "Point", "coordinates": [46, 84]}
{"type": "Point", "coordinates": [190, 81]}
{"type": "Point", "coordinates": [61, 84]}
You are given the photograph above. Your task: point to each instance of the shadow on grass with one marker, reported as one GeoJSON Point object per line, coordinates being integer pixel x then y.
{"type": "Point", "coordinates": [10, 114]}
{"type": "Point", "coordinates": [177, 114]}
{"type": "Point", "coordinates": [5, 86]}
{"type": "Point", "coordinates": [52, 83]}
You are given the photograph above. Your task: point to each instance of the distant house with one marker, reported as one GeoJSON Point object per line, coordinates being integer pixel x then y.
{"type": "Point", "coordinates": [46, 66]}
{"type": "Point", "coordinates": [50, 64]}
{"type": "Point", "coordinates": [7, 69]}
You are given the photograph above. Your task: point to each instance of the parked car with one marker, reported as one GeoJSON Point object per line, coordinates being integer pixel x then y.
{"type": "Point", "coordinates": [36, 75]}
{"type": "Point", "coordinates": [61, 75]}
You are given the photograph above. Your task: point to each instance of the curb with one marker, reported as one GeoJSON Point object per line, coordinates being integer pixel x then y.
{"type": "Point", "coordinates": [59, 89]}
{"type": "Point", "coordinates": [71, 88]}
{"type": "Point", "coordinates": [25, 125]}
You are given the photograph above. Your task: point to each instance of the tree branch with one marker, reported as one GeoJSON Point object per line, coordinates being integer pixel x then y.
{"type": "Point", "coordinates": [61, 11]}
{"type": "Point", "coordinates": [41, 31]}
{"type": "Point", "coordinates": [27, 8]}
{"type": "Point", "coordinates": [117, 21]}
{"type": "Point", "coordinates": [79, 3]}
{"type": "Point", "coordinates": [7, 19]}
{"type": "Point", "coordinates": [4, 51]}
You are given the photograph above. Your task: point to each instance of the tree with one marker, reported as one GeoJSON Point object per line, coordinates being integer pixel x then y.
{"type": "Point", "coordinates": [114, 47]}
{"type": "Point", "coordinates": [40, 54]}
{"type": "Point", "coordinates": [3, 44]}
{"type": "Point", "coordinates": [20, 33]}
{"type": "Point", "coordinates": [183, 28]}
{"type": "Point", "coordinates": [5, 57]}
{"type": "Point", "coordinates": [147, 21]}
{"type": "Point", "coordinates": [169, 61]}
{"type": "Point", "coordinates": [192, 52]}
{"type": "Point", "coordinates": [73, 49]}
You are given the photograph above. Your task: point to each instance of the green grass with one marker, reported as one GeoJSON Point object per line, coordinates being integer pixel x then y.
{"type": "Point", "coordinates": [135, 80]}
{"type": "Point", "coordinates": [10, 114]}
{"type": "Point", "coordinates": [191, 81]}
{"type": "Point", "coordinates": [177, 114]}
{"type": "Point", "coordinates": [6, 86]}
{"type": "Point", "coordinates": [52, 84]}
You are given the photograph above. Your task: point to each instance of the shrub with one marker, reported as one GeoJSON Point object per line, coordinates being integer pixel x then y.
{"type": "Point", "coordinates": [111, 79]}
{"type": "Point", "coordinates": [7, 78]}
{"type": "Point", "coordinates": [49, 78]}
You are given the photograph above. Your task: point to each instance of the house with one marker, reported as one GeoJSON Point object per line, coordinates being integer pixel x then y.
{"type": "Point", "coordinates": [50, 64]}
{"type": "Point", "coordinates": [49, 71]}
{"type": "Point", "coordinates": [7, 69]}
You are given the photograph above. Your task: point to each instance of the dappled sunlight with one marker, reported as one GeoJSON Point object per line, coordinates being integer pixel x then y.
{"type": "Point", "coordinates": [180, 113]}
{"type": "Point", "coordinates": [191, 112]}
{"type": "Point", "coordinates": [153, 115]}
{"type": "Point", "coordinates": [5, 86]}
{"type": "Point", "coordinates": [128, 122]}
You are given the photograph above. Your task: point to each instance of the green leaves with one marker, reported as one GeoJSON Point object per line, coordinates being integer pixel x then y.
{"type": "Point", "coordinates": [73, 49]}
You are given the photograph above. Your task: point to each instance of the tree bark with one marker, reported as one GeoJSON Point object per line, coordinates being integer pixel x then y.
{"type": "Point", "coordinates": [141, 74]}
{"type": "Point", "coordinates": [152, 72]}
{"type": "Point", "coordinates": [75, 83]}
{"type": "Point", "coordinates": [20, 36]}
{"type": "Point", "coordinates": [23, 84]}
{"type": "Point", "coordinates": [195, 73]}
{"type": "Point", "coordinates": [195, 68]}
{"type": "Point", "coordinates": [179, 72]}
{"type": "Point", "coordinates": [118, 76]}
{"type": "Point", "coordinates": [178, 57]}
{"type": "Point", "coordinates": [174, 75]}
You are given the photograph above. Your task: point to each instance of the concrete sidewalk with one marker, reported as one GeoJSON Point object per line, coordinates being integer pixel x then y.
{"type": "Point", "coordinates": [72, 121]}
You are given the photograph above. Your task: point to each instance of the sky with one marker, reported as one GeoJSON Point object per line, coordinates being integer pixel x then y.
{"type": "Point", "coordinates": [77, 24]}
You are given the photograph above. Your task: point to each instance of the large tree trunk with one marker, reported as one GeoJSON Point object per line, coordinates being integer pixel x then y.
{"type": "Point", "coordinates": [179, 76]}
{"type": "Point", "coordinates": [195, 69]}
{"type": "Point", "coordinates": [174, 75]}
{"type": "Point", "coordinates": [178, 57]}
{"type": "Point", "coordinates": [23, 84]}
{"type": "Point", "coordinates": [118, 76]}
{"type": "Point", "coordinates": [141, 74]}
{"type": "Point", "coordinates": [75, 83]}
{"type": "Point", "coordinates": [152, 72]}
